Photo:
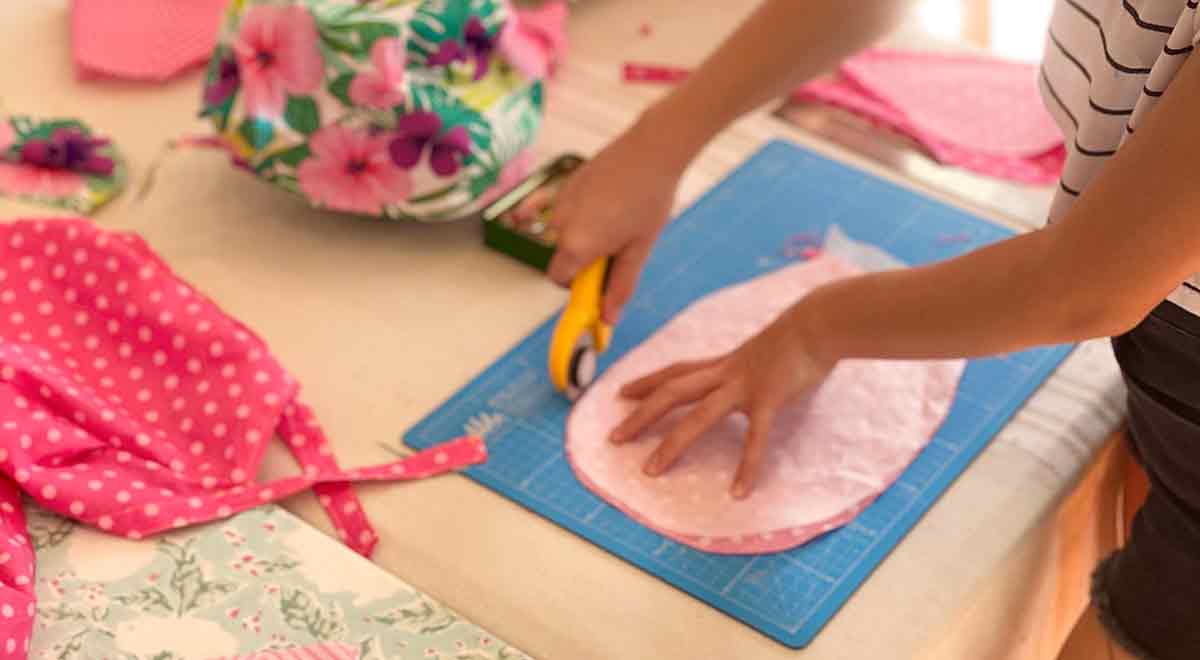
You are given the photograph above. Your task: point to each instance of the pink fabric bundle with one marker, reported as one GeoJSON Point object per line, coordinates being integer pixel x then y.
{"type": "Point", "coordinates": [979, 113]}
{"type": "Point", "coordinates": [150, 40]}
{"type": "Point", "coordinates": [133, 404]}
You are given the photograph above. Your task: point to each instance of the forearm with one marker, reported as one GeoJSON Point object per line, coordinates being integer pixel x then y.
{"type": "Point", "coordinates": [1125, 244]}
{"type": "Point", "coordinates": [991, 301]}
{"type": "Point", "coordinates": [783, 44]}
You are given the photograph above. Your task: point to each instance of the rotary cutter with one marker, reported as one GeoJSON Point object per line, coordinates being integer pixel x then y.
{"type": "Point", "coordinates": [581, 334]}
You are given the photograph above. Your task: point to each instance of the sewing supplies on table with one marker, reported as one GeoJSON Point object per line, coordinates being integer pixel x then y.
{"type": "Point", "coordinates": [730, 235]}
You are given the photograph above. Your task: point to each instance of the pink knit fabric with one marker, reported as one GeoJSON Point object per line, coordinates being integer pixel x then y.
{"type": "Point", "coordinates": [979, 113]}
{"type": "Point", "coordinates": [133, 404]}
{"type": "Point", "coordinates": [151, 40]}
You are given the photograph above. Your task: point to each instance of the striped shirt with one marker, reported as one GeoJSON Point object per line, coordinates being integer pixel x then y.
{"type": "Point", "coordinates": [1106, 64]}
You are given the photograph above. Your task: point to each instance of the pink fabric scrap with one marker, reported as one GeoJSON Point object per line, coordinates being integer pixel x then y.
{"type": "Point", "coordinates": [330, 651]}
{"type": "Point", "coordinates": [147, 40]}
{"type": "Point", "coordinates": [133, 404]}
{"type": "Point", "coordinates": [535, 38]}
{"type": "Point", "coordinates": [980, 113]}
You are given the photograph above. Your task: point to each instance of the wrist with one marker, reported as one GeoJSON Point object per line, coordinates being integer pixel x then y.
{"type": "Point", "coordinates": [810, 329]}
{"type": "Point", "coordinates": [672, 133]}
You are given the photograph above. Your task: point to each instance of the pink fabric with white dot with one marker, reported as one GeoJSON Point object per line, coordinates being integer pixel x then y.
{"type": "Point", "coordinates": [979, 113]}
{"type": "Point", "coordinates": [133, 404]}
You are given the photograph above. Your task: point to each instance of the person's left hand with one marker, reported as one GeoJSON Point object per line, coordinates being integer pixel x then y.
{"type": "Point", "coordinates": [756, 379]}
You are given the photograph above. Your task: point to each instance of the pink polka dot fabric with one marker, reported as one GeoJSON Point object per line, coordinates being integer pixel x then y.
{"type": "Point", "coordinates": [979, 113]}
{"type": "Point", "coordinates": [131, 403]}
{"type": "Point", "coordinates": [151, 40]}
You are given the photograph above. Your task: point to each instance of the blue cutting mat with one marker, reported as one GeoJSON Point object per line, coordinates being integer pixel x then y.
{"type": "Point", "coordinates": [737, 231]}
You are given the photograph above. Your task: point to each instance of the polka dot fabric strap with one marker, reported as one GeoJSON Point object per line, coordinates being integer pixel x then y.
{"type": "Point", "coordinates": [17, 608]}
{"type": "Point", "coordinates": [132, 403]}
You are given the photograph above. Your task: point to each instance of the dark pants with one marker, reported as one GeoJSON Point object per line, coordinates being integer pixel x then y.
{"type": "Point", "coordinates": [1148, 593]}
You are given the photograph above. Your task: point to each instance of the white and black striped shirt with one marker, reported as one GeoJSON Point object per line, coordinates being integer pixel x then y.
{"type": "Point", "coordinates": [1106, 64]}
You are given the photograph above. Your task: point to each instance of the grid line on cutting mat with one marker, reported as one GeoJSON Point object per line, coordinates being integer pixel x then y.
{"type": "Point", "coordinates": [735, 232]}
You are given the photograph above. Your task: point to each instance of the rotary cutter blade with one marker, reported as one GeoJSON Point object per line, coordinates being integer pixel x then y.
{"type": "Point", "coordinates": [581, 335]}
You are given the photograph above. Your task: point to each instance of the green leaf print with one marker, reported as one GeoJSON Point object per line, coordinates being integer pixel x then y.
{"type": "Point", "coordinates": [423, 617]}
{"type": "Point", "coordinates": [340, 88]}
{"type": "Point", "coordinates": [438, 21]}
{"type": "Point", "coordinates": [302, 611]}
{"type": "Point", "coordinates": [370, 32]}
{"type": "Point", "coordinates": [453, 112]}
{"type": "Point", "coordinates": [258, 132]}
{"type": "Point", "coordinates": [47, 531]}
{"type": "Point", "coordinates": [353, 29]}
{"type": "Point", "coordinates": [302, 114]}
{"type": "Point", "coordinates": [147, 599]}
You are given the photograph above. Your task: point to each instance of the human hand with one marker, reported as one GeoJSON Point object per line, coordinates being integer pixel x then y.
{"type": "Point", "coordinates": [756, 379]}
{"type": "Point", "coordinates": [614, 205]}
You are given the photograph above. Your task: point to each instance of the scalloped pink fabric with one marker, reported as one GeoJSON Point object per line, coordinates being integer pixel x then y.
{"type": "Point", "coordinates": [983, 114]}
{"type": "Point", "coordinates": [831, 454]}
{"type": "Point", "coordinates": [148, 40]}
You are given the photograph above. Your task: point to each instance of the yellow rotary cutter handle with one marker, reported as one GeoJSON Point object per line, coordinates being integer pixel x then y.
{"type": "Point", "coordinates": [581, 335]}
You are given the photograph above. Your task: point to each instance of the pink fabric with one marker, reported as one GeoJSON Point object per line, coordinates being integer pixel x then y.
{"type": "Point", "coordinates": [330, 651]}
{"type": "Point", "coordinates": [830, 455]}
{"type": "Point", "coordinates": [133, 404]}
{"type": "Point", "coordinates": [151, 40]}
{"type": "Point", "coordinates": [983, 114]}
{"type": "Point", "coordinates": [535, 38]}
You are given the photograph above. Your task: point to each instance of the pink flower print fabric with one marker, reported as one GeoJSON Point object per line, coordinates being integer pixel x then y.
{"type": "Point", "coordinates": [278, 53]}
{"type": "Point", "coordinates": [149, 40]}
{"type": "Point", "coordinates": [131, 403]}
{"type": "Point", "coordinates": [979, 113]}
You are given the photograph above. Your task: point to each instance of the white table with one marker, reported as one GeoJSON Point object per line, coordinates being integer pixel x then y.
{"type": "Point", "coordinates": [382, 322]}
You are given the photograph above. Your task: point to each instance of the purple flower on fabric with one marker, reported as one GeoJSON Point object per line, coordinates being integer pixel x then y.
{"type": "Point", "coordinates": [476, 43]}
{"type": "Point", "coordinates": [228, 79]}
{"type": "Point", "coordinates": [68, 149]}
{"type": "Point", "coordinates": [416, 130]}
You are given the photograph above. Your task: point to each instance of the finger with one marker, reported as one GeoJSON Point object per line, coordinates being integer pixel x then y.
{"type": "Point", "coordinates": [534, 203]}
{"type": "Point", "coordinates": [646, 385]}
{"type": "Point", "coordinates": [755, 449]}
{"type": "Point", "coordinates": [627, 268]}
{"type": "Point", "coordinates": [671, 395]}
{"type": "Point", "coordinates": [715, 406]}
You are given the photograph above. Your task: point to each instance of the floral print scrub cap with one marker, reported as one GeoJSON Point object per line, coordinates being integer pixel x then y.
{"type": "Point", "coordinates": [386, 108]}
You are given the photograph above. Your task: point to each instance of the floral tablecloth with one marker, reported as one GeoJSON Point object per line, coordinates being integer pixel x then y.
{"type": "Point", "coordinates": [262, 580]}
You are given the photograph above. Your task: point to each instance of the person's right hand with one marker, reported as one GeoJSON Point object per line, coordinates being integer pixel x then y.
{"type": "Point", "coordinates": [615, 205]}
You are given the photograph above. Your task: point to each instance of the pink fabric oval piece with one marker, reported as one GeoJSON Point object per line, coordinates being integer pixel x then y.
{"type": "Point", "coordinates": [831, 454]}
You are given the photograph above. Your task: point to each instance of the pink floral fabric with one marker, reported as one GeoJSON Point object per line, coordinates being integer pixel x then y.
{"type": "Point", "coordinates": [133, 404]}
{"type": "Point", "coordinates": [278, 54]}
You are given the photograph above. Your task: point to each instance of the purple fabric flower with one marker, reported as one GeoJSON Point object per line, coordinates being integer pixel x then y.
{"type": "Point", "coordinates": [416, 130]}
{"type": "Point", "coordinates": [228, 79]}
{"type": "Point", "coordinates": [476, 43]}
{"type": "Point", "coordinates": [68, 149]}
